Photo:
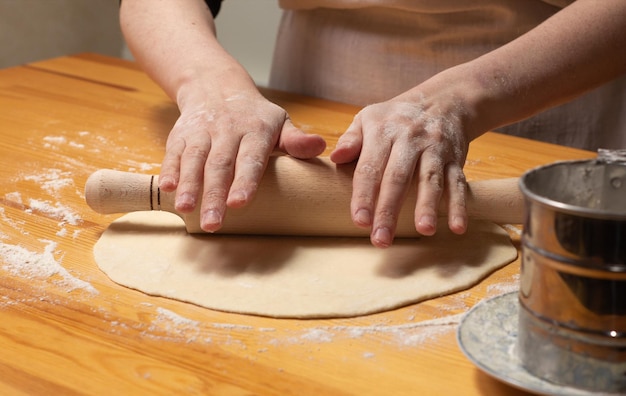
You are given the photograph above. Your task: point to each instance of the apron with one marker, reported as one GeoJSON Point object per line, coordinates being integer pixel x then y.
{"type": "Point", "coordinates": [367, 51]}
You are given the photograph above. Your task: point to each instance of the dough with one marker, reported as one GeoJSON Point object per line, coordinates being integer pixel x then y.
{"type": "Point", "coordinates": [294, 277]}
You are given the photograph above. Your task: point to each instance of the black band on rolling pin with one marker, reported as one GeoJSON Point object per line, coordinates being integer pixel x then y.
{"type": "Point", "coordinates": [151, 184]}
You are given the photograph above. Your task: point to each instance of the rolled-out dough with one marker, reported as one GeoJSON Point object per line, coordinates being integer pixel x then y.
{"type": "Point", "coordinates": [295, 277]}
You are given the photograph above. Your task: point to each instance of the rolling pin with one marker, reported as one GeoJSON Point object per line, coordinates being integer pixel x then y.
{"type": "Point", "coordinates": [295, 197]}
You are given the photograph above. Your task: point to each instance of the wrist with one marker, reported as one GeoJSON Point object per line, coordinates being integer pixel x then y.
{"type": "Point", "coordinates": [485, 97]}
{"type": "Point", "coordinates": [457, 98]}
{"type": "Point", "coordinates": [203, 85]}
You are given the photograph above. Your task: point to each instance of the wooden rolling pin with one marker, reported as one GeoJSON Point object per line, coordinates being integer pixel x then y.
{"type": "Point", "coordinates": [295, 197]}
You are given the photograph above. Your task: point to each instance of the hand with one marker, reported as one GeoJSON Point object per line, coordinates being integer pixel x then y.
{"type": "Point", "coordinates": [221, 150]}
{"type": "Point", "coordinates": [409, 139]}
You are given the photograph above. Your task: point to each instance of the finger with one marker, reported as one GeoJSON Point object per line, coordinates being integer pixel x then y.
{"type": "Point", "coordinates": [396, 181]}
{"type": "Point", "coordinates": [192, 162]}
{"type": "Point", "coordinates": [366, 181]}
{"type": "Point", "coordinates": [430, 188]}
{"type": "Point", "coordinates": [170, 166]}
{"type": "Point", "coordinates": [349, 144]}
{"type": "Point", "coordinates": [252, 159]}
{"type": "Point", "coordinates": [299, 144]}
{"type": "Point", "coordinates": [219, 172]}
{"type": "Point", "coordinates": [456, 192]}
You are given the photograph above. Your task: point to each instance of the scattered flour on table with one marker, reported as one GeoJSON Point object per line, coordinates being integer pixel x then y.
{"type": "Point", "coordinates": [229, 326]}
{"type": "Point", "coordinates": [179, 328]}
{"type": "Point", "coordinates": [408, 334]}
{"type": "Point", "coordinates": [49, 141]}
{"type": "Point", "coordinates": [14, 197]}
{"type": "Point", "coordinates": [176, 326]}
{"type": "Point", "coordinates": [56, 211]}
{"type": "Point", "coordinates": [172, 318]}
{"type": "Point", "coordinates": [21, 262]}
{"type": "Point", "coordinates": [103, 140]}
{"type": "Point", "coordinates": [52, 141]}
{"type": "Point", "coordinates": [317, 335]}
{"type": "Point", "coordinates": [52, 180]}
{"type": "Point", "coordinates": [141, 166]}
{"type": "Point", "coordinates": [15, 224]}
{"type": "Point", "coordinates": [499, 288]}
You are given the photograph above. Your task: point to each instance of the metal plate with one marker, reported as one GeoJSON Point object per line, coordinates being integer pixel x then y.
{"type": "Point", "coordinates": [487, 335]}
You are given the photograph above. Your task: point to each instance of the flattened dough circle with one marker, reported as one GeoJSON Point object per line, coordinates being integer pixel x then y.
{"type": "Point", "coordinates": [295, 277]}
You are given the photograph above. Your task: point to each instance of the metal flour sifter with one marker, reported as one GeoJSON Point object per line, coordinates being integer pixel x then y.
{"type": "Point", "coordinates": [572, 316]}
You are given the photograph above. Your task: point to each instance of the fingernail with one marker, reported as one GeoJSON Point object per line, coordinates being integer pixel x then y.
{"type": "Point", "coordinates": [427, 224]}
{"type": "Point", "coordinates": [210, 219]}
{"type": "Point", "coordinates": [185, 202]}
{"type": "Point", "coordinates": [458, 224]}
{"type": "Point", "coordinates": [237, 198]}
{"type": "Point", "coordinates": [382, 237]}
{"type": "Point", "coordinates": [363, 217]}
{"type": "Point", "coordinates": [427, 220]}
{"type": "Point", "coordinates": [166, 182]}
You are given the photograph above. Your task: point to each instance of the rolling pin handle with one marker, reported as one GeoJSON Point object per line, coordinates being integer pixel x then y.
{"type": "Point", "coordinates": [109, 191]}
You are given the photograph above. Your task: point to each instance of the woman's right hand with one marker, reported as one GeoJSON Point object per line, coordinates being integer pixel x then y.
{"type": "Point", "coordinates": [218, 150]}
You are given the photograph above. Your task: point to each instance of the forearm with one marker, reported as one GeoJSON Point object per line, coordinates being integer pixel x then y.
{"type": "Point", "coordinates": [176, 44]}
{"type": "Point", "coordinates": [578, 49]}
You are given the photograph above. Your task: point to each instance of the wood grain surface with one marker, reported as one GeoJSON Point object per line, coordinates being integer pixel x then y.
{"type": "Point", "coordinates": [66, 329]}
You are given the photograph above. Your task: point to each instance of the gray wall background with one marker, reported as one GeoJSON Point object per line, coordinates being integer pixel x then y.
{"type": "Point", "coordinates": [33, 30]}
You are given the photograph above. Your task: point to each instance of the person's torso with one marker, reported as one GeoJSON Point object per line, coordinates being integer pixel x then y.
{"type": "Point", "coordinates": [367, 51]}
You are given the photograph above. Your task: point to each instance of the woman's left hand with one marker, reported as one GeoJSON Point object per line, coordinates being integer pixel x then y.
{"type": "Point", "coordinates": [409, 139]}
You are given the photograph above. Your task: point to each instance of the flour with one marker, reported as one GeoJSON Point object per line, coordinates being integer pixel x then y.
{"type": "Point", "coordinates": [167, 316]}
{"type": "Point", "coordinates": [56, 211]}
{"type": "Point", "coordinates": [472, 162]}
{"type": "Point", "coordinates": [50, 140]}
{"type": "Point", "coordinates": [497, 289]}
{"type": "Point", "coordinates": [21, 262]}
{"type": "Point", "coordinates": [229, 326]}
{"type": "Point", "coordinates": [15, 224]}
{"type": "Point", "coordinates": [181, 329]}
{"type": "Point", "coordinates": [14, 197]}
{"type": "Point", "coordinates": [103, 140]}
{"type": "Point", "coordinates": [141, 166]}
{"type": "Point", "coordinates": [176, 326]}
{"type": "Point", "coordinates": [52, 180]}
{"type": "Point", "coordinates": [408, 334]}
{"type": "Point", "coordinates": [317, 335]}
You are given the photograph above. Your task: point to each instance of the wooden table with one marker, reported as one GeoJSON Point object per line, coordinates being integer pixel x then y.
{"type": "Point", "coordinates": [65, 328]}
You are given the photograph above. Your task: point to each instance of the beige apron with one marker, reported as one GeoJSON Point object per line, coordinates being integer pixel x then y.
{"type": "Point", "coordinates": [366, 51]}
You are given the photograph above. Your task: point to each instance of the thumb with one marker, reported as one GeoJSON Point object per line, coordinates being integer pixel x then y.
{"type": "Point", "coordinates": [349, 144]}
{"type": "Point", "coordinates": [299, 144]}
